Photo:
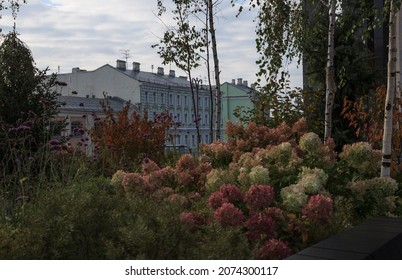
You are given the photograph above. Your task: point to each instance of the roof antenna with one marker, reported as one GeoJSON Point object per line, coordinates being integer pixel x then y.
{"type": "Point", "coordinates": [126, 54]}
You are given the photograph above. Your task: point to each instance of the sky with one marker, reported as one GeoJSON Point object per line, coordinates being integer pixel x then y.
{"type": "Point", "coordinates": [63, 34]}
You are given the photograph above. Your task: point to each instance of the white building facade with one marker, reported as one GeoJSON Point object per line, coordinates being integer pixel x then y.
{"type": "Point", "coordinates": [152, 92]}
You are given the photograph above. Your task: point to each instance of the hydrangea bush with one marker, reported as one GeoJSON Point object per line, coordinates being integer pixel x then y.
{"type": "Point", "coordinates": [276, 190]}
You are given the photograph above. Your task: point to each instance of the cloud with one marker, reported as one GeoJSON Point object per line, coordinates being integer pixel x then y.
{"type": "Point", "coordinates": [91, 33]}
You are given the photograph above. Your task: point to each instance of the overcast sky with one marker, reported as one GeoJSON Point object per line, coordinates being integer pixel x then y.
{"type": "Point", "coordinates": [91, 33]}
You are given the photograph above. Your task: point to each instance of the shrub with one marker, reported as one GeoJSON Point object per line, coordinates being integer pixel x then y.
{"type": "Point", "coordinates": [361, 160]}
{"type": "Point", "coordinates": [259, 175]}
{"type": "Point", "coordinates": [315, 153]}
{"type": "Point", "coordinates": [124, 138]}
{"type": "Point", "coordinates": [259, 197]}
{"type": "Point", "coordinates": [228, 215]}
{"type": "Point", "coordinates": [319, 209]}
{"type": "Point", "coordinates": [293, 198]}
{"type": "Point", "coordinates": [193, 220]}
{"type": "Point", "coordinates": [218, 152]}
{"type": "Point", "coordinates": [374, 197]}
{"type": "Point", "coordinates": [231, 193]}
{"type": "Point", "coordinates": [273, 249]}
{"type": "Point", "coordinates": [260, 226]}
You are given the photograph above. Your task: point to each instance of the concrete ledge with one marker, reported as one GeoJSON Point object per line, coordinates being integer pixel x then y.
{"type": "Point", "coordinates": [375, 239]}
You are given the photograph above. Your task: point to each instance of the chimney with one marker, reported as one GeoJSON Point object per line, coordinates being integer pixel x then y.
{"type": "Point", "coordinates": [160, 71]}
{"type": "Point", "coordinates": [121, 64]}
{"type": "Point", "coordinates": [239, 81]}
{"type": "Point", "coordinates": [253, 86]}
{"type": "Point", "coordinates": [136, 66]}
{"type": "Point", "coordinates": [233, 81]}
{"type": "Point", "coordinates": [172, 73]}
{"type": "Point", "coordinates": [75, 70]}
{"type": "Point", "coordinates": [245, 83]}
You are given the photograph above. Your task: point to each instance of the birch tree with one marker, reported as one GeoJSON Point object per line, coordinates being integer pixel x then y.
{"type": "Point", "coordinates": [391, 89]}
{"type": "Point", "coordinates": [210, 6]}
{"type": "Point", "coordinates": [182, 45]}
{"type": "Point", "coordinates": [330, 72]}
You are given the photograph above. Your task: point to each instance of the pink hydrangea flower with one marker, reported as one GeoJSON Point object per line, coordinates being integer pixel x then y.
{"type": "Point", "coordinates": [186, 163]}
{"type": "Point", "coordinates": [259, 197]}
{"type": "Point", "coordinates": [193, 219]}
{"type": "Point", "coordinates": [274, 249]}
{"type": "Point", "coordinates": [260, 226]}
{"type": "Point", "coordinates": [231, 193]}
{"type": "Point", "coordinates": [132, 182]}
{"type": "Point", "coordinates": [229, 215]}
{"type": "Point", "coordinates": [276, 214]}
{"type": "Point", "coordinates": [319, 208]}
{"type": "Point", "coordinates": [216, 200]}
{"type": "Point", "coordinates": [149, 166]}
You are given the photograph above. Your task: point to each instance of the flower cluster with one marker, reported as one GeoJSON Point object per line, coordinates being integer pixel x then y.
{"type": "Point", "coordinates": [319, 209]}
{"type": "Point", "coordinates": [259, 175]}
{"type": "Point", "coordinates": [310, 142]}
{"type": "Point", "coordinates": [117, 179]}
{"type": "Point", "coordinates": [190, 174]}
{"type": "Point", "coordinates": [226, 194]}
{"type": "Point", "coordinates": [259, 197]}
{"type": "Point", "coordinates": [260, 226]}
{"type": "Point", "coordinates": [274, 249]}
{"type": "Point", "coordinates": [218, 152]}
{"type": "Point", "coordinates": [229, 215]}
{"type": "Point", "coordinates": [165, 177]}
{"type": "Point", "coordinates": [376, 195]}
{"type": "Point", "coordinates": [186, 163]}
{"type": "Point", "coordinates": [276, 214]}
{"type": "Point", "coordinates": [317, 154]}
{"type": "Point", "coordinates": [193, 220]}
{"type": "Point", "coordinates": [133, 182]}
{"type": "Point", "coordinates": [312, 181]}
{"type": "Point", "coordinates": [231, 193]}
{"type": "Point", "coordinates": [293, 198]}
{"type": "Point", "coordinates": [361, 157]}
{"type": "Point", "coordinates": [148, 166]}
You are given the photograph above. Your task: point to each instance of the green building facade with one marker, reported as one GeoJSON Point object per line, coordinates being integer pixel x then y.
{"type": "Point", "coordinates": [235, 95]}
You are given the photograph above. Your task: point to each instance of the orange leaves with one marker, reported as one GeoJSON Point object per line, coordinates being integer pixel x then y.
{"type": "Point", "coordinates": [127, 136]}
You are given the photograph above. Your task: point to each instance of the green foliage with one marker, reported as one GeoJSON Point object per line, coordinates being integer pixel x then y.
{"type": "Point", "coordinates": [269, 202]}
{"type": "Point", "coordinates": [23, 88]}
{"type": "Point", "coordinates": [374, 197]}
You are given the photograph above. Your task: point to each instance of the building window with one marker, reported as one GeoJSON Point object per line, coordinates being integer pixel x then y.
{"type": "Point", "coordinates": [170, 100]}
{"type": "Point", "coordinates": [185, 119]}
{"type": "Point", "coordinates": [178, 118]}
{"type": "Point", "coordinates": [206, 102]}
{"type": "Point", "coordinates": [185, 101]}
{"type": "Point", "coordinates": [77, 129]}
{"type": "Point", "coordinates": [154, 94]}
{"type": "Point", "coordinates": [178, 100]}
{"type": "Point", "coordinates": [146, 96]}
{"type": "Point", "coordinates": [206, 139]}
{"type": "Point", "coordinates": [206, 119]}
{"type": "Point", "coordinates": [193, 139]}
{"type": "Point", "coordinates": [186, 139]}
{"type": "Point", "coordinates": [162, 101]}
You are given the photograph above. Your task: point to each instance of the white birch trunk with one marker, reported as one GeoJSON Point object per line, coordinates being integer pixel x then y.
{"type": "Point", "coordinates": [391, 91]}
{"type": "Point", "coordinates": [330, 73]}
{"type": "Point", "coordinates": [217, 71]}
